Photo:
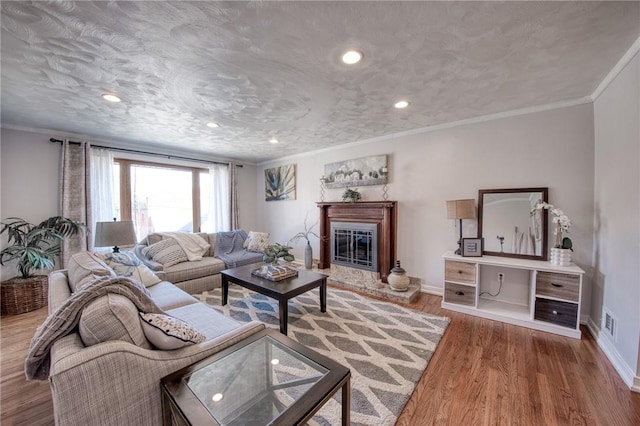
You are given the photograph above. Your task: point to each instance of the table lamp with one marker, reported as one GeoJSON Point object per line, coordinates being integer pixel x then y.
{"type": "Point", "coordinates": [458, 210]}
{"type": "Point", "coordinates": [114, 234]}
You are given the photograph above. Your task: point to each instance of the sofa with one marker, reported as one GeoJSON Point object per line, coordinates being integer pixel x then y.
{"type": "Point", "coordinates": [106, 371]}
{"type": "Point", "coordinates": [226, 250]}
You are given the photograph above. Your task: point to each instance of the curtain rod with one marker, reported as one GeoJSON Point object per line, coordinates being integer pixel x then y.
{"type": "Point", "coordinates": [134, 151]}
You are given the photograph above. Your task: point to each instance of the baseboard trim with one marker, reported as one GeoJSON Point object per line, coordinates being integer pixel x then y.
{"type": "Point", "coordinates": [431, 289]}
{"type": "Point", "coordinates": [624, 371]}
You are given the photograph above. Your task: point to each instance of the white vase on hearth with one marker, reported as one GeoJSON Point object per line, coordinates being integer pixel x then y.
{"type": "Point", "coordinates": [398, 279]}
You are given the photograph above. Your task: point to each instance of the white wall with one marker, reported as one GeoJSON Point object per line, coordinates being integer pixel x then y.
{"type": "Point", "coordinates": [31, 173]}
{"type": "Point", "coordinates": [30, 176]}
{"type": "Point", "coordinates": [617, 219]}
{"type": "Point", "coordinates": [546, 149]}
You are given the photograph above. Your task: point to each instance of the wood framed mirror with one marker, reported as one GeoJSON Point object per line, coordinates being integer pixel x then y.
{"type": "Point", "coordinates": [508, 226]}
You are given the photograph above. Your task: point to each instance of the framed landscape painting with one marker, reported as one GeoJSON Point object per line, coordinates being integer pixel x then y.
{"type": "Point", "coordinates": [358, 172]}
{"type": "Point", "coordinates": [280, 183]}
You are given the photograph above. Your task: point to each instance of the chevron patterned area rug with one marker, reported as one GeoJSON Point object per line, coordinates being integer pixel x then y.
{"type": "Point", "coordinates": [387, 347]}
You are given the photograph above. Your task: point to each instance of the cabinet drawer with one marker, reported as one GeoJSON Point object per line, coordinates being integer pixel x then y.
{"type": "Point", "coordinates": [562, 286]}
{"type": "Point", "coordinates": [462, 272]}
{"type": "Point", "coordinates": [459, 294]}
{"type": "Point", "coordinates": [556, 312]}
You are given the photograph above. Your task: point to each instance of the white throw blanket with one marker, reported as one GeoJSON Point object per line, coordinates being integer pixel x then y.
{"type": "Point", "coordinates": [193, 245]}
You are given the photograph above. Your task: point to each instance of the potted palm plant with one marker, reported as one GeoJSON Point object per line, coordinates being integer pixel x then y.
{"type": "Point", "coordinates": [34, 247]}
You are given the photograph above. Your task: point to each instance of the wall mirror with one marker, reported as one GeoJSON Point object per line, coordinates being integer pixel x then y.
{"type": "Point", "coordinates": [507, 225]}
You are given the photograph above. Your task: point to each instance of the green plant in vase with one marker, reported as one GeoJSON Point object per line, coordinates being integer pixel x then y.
{"type": "Point", "coordinates": [34, 248]}
{"type": "Point", "coordinates": [351, 195]}
{"type": "Point", "coordinates": [277, 251]}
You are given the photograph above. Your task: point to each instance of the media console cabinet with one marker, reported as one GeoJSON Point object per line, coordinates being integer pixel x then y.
{"type": "Point", "coordinates": [528, 293]}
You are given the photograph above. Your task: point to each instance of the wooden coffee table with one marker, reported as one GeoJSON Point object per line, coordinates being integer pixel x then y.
{"type": "Point", "coordinates": [264, 379]}
{"type": "Point", "coordinates": [282, 291]}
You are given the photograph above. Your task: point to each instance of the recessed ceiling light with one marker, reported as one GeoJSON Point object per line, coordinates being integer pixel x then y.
{"type": "Point", "coordinates": [111, 98]}
{"type": "Point", "coordinates": [213, 125]}
{"type": "Point", "coordinates": [401, 104]}
{"type": "Point", "coordinates": [351, 57]}
{"type": "Point", "coordinates": [273, 140]}
{"type": "Point", "coordinates": [217, 397]}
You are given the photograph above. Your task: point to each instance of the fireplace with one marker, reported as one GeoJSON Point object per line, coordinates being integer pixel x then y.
{"type": "Point", "coordinates": [355, 245]}
{"type": "Point", "coordinates": [380, 215]}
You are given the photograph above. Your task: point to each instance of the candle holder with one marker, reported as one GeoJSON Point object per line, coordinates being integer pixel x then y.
{"type": "Point", "coordinates": [322, 188]}
{"type": "Point", "coordinates": [385, 185]}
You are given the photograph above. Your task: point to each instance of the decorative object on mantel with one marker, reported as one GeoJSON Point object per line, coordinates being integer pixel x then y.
{"type": "Point", "coordinates": [560, 253]}
{"type": "Point", "coordinates": [360, 171]}
{"type": "Point", "coordinates": [385, 186]}
{"type": "Point", "coordinates": [398, 279]}
{"type": "Point", "coordinates": [35, 247]}
{"type": "Point", "coordinates": [277, 251]}
{"type": "Point", "coordinates": [458, 210]}
{"type": "Point", "coordinates": [322, 188]}
{"type": "Point", "coordinates": [308, 251]}
{"type": "Point", "coordinates": [351, 195]}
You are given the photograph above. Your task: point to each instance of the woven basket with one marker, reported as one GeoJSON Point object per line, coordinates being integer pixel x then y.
{"type": "Point", "coordinates": [20, 295]}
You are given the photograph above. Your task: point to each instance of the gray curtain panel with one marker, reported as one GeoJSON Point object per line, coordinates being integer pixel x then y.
{"type": "Point", "coordinates": [75, 197]}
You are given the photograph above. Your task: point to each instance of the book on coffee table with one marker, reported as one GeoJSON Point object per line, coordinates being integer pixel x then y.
{"type": "Point", "coordinates": [275, 273]}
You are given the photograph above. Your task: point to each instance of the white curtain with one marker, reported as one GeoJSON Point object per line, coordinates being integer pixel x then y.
{"type": "Point", "coordinates": [235, 215]}
{"type": "Point", "coordinates": [102, 187]}
{"type": "Point", "coordinates": [217, 213]}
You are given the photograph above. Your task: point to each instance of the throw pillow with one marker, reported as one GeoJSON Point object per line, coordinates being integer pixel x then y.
{"type": "Point", "coordinates": [111, 317]}
{"type": "Point", "coordinates": [167, 252]}
{"type": "Point", "coordinates": [168, 333]}
{"type": "Point", "coordinates": [84, 267]}
{"type": "Point", "coordinates": [127, 264]}
{"type": "Point", "coordinates": [256, 241]}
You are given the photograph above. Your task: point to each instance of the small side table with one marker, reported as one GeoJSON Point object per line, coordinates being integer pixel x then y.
{"type": "Point", "coordinates": [266, 378]}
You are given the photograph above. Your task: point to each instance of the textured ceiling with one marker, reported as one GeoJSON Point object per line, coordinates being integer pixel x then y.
{"type": "Point", "coordinates": [272, 69]}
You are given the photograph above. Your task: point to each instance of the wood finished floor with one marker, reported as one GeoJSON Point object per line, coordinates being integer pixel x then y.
{"type": "Point", "coordinates": [482, 373]}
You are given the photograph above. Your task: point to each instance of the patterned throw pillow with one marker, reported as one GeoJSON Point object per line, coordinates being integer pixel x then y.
{"type": "Point", "coordinates": [127, 264]}
{"type": "Point", "coordinates": [256, 241]}
{"type": "Point", "coordinates": [168, 333]}
{"type": "Point", "coordinates": [166, 252]}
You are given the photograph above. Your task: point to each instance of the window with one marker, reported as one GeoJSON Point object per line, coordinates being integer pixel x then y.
{"type": "Point", "coordinates": [161, 197]}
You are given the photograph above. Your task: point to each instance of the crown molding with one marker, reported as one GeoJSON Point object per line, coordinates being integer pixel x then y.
{"type": "Point", "coordinates": [617, 69]}
{"type": "Point", "coordinates": [479, 119]}
{"type": "Point", "coordinates": [125, 145]}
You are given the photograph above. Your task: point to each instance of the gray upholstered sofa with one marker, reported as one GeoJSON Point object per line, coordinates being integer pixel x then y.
{"type": "Point", "coordinates": [227, 250]}
{"type": "Point", "coordinates": [106, 372]}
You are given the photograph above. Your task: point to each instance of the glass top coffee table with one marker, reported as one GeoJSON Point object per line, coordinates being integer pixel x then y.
{"type": "Point", "coordinates": [266, 379]}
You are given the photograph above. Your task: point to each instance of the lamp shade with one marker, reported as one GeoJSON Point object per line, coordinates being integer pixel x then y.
{"type": "Point", "coordinates": [461, 209]}
{"type": "Point", "coordinates": [115, 234]}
